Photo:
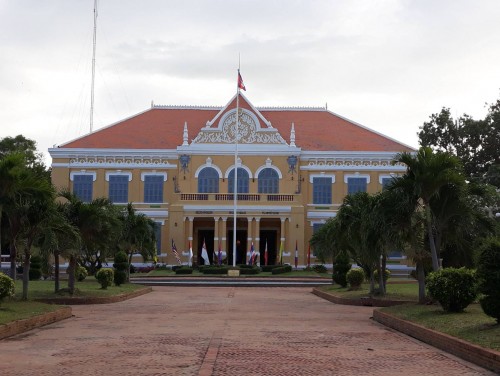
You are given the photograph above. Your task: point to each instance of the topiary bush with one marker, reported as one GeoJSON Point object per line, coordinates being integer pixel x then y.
{"type": "Point", "coordinates": [488, 274]}
{"type": "Point", "coordinates": [453, 288]}
{"type": "Point", "coordinates": [355, 277]}
{"type": "Point", "coordinates": [81, 273]}
{"type": "Point", "coordinates": [340, 268]}
{"type": "Point", "coordinates": [320, 268]}
{"type": "Point", "coordinates": [282, 269]}
{"type": "Point", "coordinates": [35, 272]}
{"type": "Point", "coordinates": [6, 286]}
{"type": "Point", "coordinates": [121, 265]}
{"type": "Point", "coordinates": [387, 274]}
{"type": "Point", "coordinates": [105, 277]}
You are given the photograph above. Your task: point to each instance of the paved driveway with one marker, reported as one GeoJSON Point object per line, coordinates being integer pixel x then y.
{"type": "Point", "coordinates": [223, 331]}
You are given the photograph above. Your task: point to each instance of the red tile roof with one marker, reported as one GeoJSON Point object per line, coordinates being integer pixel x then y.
{"type": "Point", "coordinates": [162, 128]}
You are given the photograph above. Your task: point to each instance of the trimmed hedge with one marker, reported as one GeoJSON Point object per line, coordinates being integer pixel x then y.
{"type": "Point", "coordinates": [269, 268]}
{"type": "Point", "coordinates": [319, 268]}
{"type": "Point", "coordinates": [488, 273]}
{"type": "Point", "coordinates": [245, 266]}
{"type": "Point", "coordinates": [7, 287]}
{"type": "Point", "coordinates": [81, 273]}
{"type": "Point", "coordinates": [250, 271]}
{"type": "Point", "coordinates": [282, 269]}
{"type": "Point", "coordinates": [184, 270]}
{"type": "Point", "coordinates": [341, 267]}
{"type": "Point", "coordinates": [215, 270]}
{"type": "Point", "coordinates": [35, 272]}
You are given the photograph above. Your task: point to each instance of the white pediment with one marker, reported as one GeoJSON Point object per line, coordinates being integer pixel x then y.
{"type": "Point", "coordinates": [250, 130]}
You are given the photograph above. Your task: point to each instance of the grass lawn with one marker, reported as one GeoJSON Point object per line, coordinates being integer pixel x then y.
{"type": "Point", "coordinates": [16, 309]}
{"type": "Point", "coordinates": [472, 325]}
{"type": "Point", "coordinates": [396, 291]}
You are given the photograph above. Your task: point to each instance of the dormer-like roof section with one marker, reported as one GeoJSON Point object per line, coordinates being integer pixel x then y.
{"type": "Point", "coordinates": [162, 127]}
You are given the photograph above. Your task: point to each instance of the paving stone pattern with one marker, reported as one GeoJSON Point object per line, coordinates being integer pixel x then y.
{"type": "Point", "coordinates": [223, 331]}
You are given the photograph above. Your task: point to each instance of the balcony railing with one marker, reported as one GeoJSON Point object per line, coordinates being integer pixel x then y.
{"type": "Point", "coordinates": [241, 197]}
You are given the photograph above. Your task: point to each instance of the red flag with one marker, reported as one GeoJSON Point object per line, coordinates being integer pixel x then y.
{"type": "Point", "coordinates": [265, 255]}
{"type": "Point", "coordinates": [241, 85]}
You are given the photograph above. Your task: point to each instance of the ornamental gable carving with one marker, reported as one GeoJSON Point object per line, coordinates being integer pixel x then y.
{"type": "Point", "coordinates": [249, 131]}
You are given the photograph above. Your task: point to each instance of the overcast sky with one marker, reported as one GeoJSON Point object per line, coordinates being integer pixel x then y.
{"type": "Point", "coordinates": [385, 64]}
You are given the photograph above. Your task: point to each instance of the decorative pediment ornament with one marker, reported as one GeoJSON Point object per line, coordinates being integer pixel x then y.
{"type": "Point", "coordinates": [249, 131]}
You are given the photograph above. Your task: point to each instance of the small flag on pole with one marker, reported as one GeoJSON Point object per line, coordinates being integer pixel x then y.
{"type": "Point", "coordinates": [174, 251]}
{"type": "Point", "coordinates": [265, 255]}
{"type": "Point", "coordinates": [296, 255]}
{"type": "Point", "coordinates": [190, 262]}
{"type": "Point", "coordinates": [309, 256]}
{"type": "Point", "coordinates": [252, 255]}
{"type": "Point", "coordinates": [204, 254]}
{"type": "Point", "coordinates": [241, 85]}
{"type": "Point", "coordinates": [219, 255]}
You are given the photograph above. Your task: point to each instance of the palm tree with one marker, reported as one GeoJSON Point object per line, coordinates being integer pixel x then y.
{"type": "Point", "coordinates": [428, 172]}
{"type": "Point", "coordinates": [138, 235]}
{"type": "Point", "coordinates": [94, 223]}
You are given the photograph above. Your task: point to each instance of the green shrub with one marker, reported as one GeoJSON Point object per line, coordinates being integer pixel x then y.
{"type": "Point", "coordinates": [184, 270]}
{"type": "Point", "coordinates": [250, 271]}
{"type": "Point", "coordinates": [245, 266]}
{"type": "Point", "coordinates": [35, 272]}
{"type": "Point", "coordinates": [355, 277]}
{"type": "Point", "coordinates": [81, 273]}
{"type": "Point", "coordinates": [105, 277]}
{"type": "Point", "coordinates": [6, 286]}
{"type": "Point", "coordinates": [121, 265]}
{"type": "Point", "coordinates": [215, 270]}
{"type": "Point", "coordinates": [340, 268]}
{"type": "Point", "coordinates": [268, 268]}
{"type": "Point", "coordinates": [320, 268]}
{"type": "Point", "coordinates": [282, 269]}
{"type": "Point", "coordinates": [453, 288]}
{"type": "Point", "coordinates": [488, 274]}
{"type": "Point", "coordinates": [387, 274]}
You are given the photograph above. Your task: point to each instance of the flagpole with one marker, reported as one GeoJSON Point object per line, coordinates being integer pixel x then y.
{"type": "Point", "coordinates": [235, 181]}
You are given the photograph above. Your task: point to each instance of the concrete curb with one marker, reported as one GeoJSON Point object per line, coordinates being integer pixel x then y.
{"type": "Point", "coordinates": [368, 301]}
{"type": "Point", "coordinates": [97, 299]}
{"type": "Point", "coordinates": [20, 326]}
{"type": "Point", "coordinates": [481, 356]}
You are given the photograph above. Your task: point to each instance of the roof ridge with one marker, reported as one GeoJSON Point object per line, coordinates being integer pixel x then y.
{"type": "Point", "coordinates": [185, 107]}
{"type": "Point", "coordinates": [260, 108]}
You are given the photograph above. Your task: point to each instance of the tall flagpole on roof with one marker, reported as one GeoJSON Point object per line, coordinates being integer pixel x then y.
{"type": "Point", "coordinates": [235, 180]}
{"type": "Point", "coordinates": [93, 69]}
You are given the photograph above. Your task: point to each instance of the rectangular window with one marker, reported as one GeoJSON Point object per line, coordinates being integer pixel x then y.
{"type": "Point", "coordinates": [322, 191]}
{"type": "Point", "coordinates": [153, 189]}
{"type": "Point", "coordinates": [82, 187]}
{"type": "Point", "coordinates": [355, 185]}
{"type": "Point", "coordinates": [317, 226]}
{"type": "Point", "coordinates": [158, 237]}
{"type": "Point", "coordinates": [385, 183]}
{"type": "Point", "coordinates": [118, 188]}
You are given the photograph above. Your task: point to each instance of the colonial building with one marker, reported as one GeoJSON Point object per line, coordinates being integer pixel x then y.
{"type": "Point", "coordinates": [176, 164]}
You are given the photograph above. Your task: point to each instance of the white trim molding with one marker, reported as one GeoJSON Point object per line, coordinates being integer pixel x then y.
{"type": "Point", "coordinates": [271, 166]}
{"type": "Point", "coordinates": [119, 173]}
{"type": "Point", "coordinates": [208, 164]}
{"type": "Point", "coordinates": [386, 176]}
{"type": "Point", "coordinates": [83, 172]}
{"type": "Point", "coordinates": [321, 175]}
{"type": "Point", "coordinates": [153, 173]}
{"type": "Point", "coordinates": [357, 175]}
{"type": "Point", "coordinates": [239, 165]}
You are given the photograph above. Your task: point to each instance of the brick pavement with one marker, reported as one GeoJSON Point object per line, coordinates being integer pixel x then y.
{"type": "Point", "coordinates": [223, 331]}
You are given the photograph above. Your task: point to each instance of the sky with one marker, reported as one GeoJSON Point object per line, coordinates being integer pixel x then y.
{"type": "Point", "coordinates": [386, 64]}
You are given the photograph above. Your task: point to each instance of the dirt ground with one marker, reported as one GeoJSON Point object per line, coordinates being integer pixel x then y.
{"type": "Point", "coordinates": [223, 331]}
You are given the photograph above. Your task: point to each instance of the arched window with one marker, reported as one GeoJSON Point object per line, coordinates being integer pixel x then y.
{"type": "Point", "coordinates": [242, 181]}
{"type": "Point", "coordinates": [268, 181]}
{"type": "Point", "coordinates": [208, 180]}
